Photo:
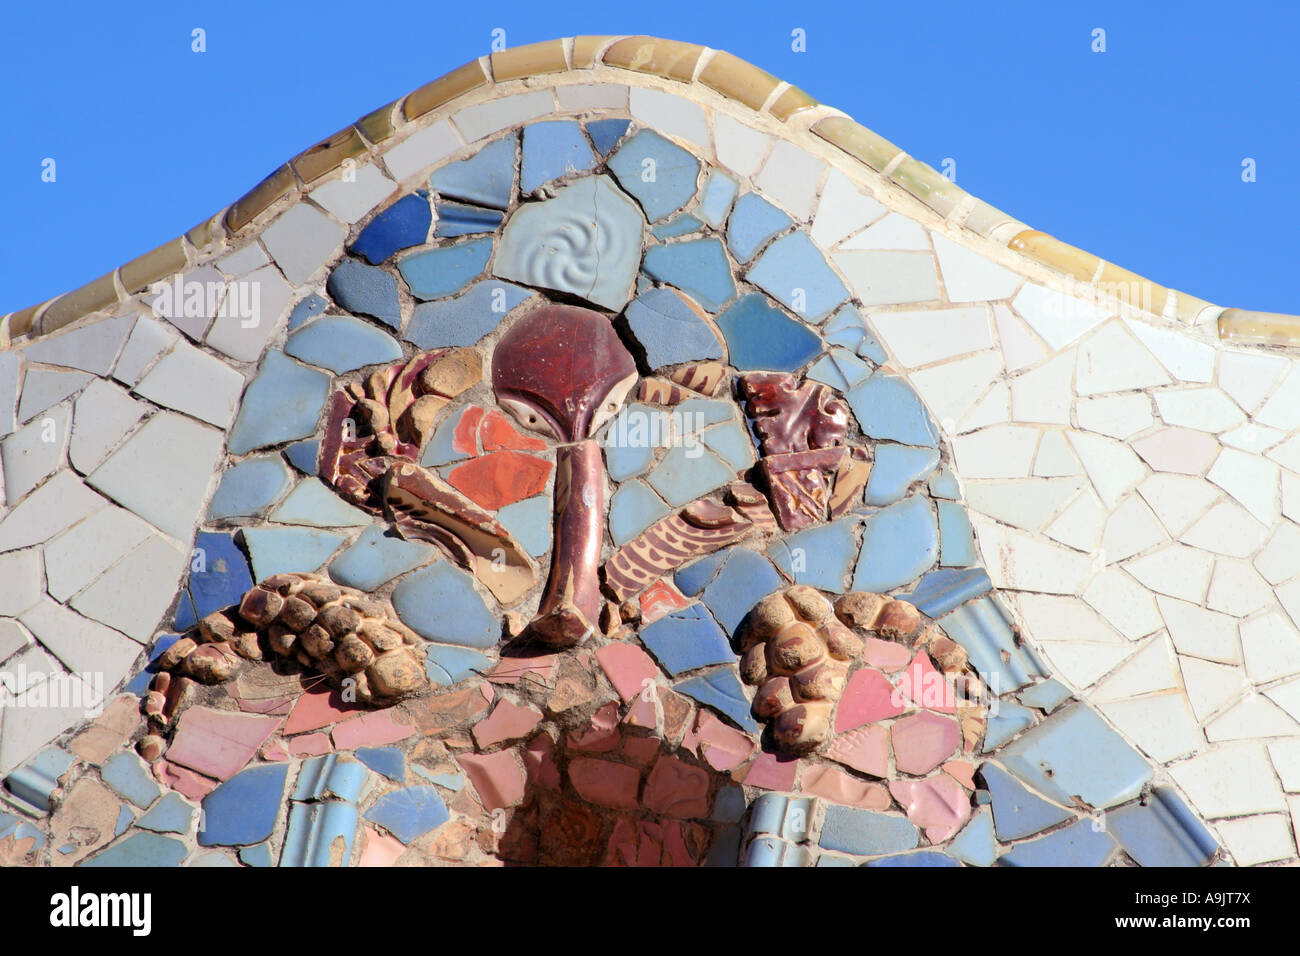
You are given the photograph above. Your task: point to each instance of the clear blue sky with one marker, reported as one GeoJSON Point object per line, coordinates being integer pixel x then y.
{"type": "Point", "coordinates": [1134, 154]}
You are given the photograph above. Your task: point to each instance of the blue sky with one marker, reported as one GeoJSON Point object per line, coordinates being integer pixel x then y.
{"type": "Point", "coordinates": [1134, 154]}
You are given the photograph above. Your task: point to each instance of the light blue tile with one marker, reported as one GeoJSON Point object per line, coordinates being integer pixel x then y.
{"type": "Point", "coordinates": [447, 665]}
{"type": "Point", "coordinates": [761, 336]}
{"type": "Point", "coordinates": [365, 290]}
{"type": "Point", "coordinates": [258, 856]}
{"type": "Point", "coordinates": [661, 175]}
{"type": "Point", "coordinates": [1078, 845]}
{"type": "Point", "coordinates": [461, 219]}
{"type": "Point", "coordinates": [795, 273]}
{"type": "Point", "coordinates": [311, 503]}
{"type": "Point", "coordinates": [341, 343]}
{"type": "Point", "coordinates": [1046, 696]}
{"type": "Point", "coordinates": [894, 470]}
{"type": "Point", "coordinates": [403, 224]}
{"type": "Point", "coordinates": [687, 639]}
{"type": "Point", "coordinates": [631, 440]}
{"type": "Point", "coordinates": [669, 330]}
{"type": "Point", "coordinates": [944, 485]}
{"type": "Point", "coordinates": [732, 443]}
{"type": "Point", "coordinates": [317, 831]}
{"type": "Point", "coordinates": [303, 454]}
{"type": "Point", "coordinates": [922, 858]}
{"type": "Point", "coordinates": [486, 178]}
{"type": "Point", "coordinates": [841, 370]}
{"type": "Point", "coordinates": [552, 150]}
{"type": "Point", "coordinates": [888, 409]}
{"type": "Point", "coordinates": [941, 591]}
{"type": "Point", "coordinates": [128, 776]}
{"type": "Point", "coordinates": [1018, 813]}
{"type": "Point", "coordinates": [956, 536]}
{"type": "Point", "coordinates": [866, 832]}
{"type": "Point", "coordinates": [283, 403]}
{"type": "Point", "coordinates": [898, 544]}
{"type": "Point", "coordinates": [698, 267]}
{"type": "Point", "coordinates": [441, 604]}
{"type": "Point", "coordinates": [1165, 832]}
{"type": "Point", "coordinates": [974, 844]}
{"type": "Point", "coordinates": [985, 632]}
{"type": "Point", "coordinates": [820, 557]}
{"type": "Point", "coordinates": [249, 488]}
{"type": "Point", "coordinates": [465, 319]}
{"type": "Point", "coordinates": [441, 449]}
{"type": "Point", "coordinates": [721, 689]}
{"type": "Point", "coordinates": [141, 849]}
{"type": "Point", "coordinates": [530, 523]}
{"type": "Point", "coordinates": [633, 508]}
{"type": "Point", "coordinates": [243, 810]}
{"type": "Point", "coordinates": [376, 558]}
{"type": "Point", "coordinates": [682, 225]}
{"type": "Point", "coordinates": [687, 472]}
{"type": "Point", "coordinates": [440, 272]}
{"type": "Point", "coordinates": [743, 580]}
{"type": "Point", "coordinates": [389, 761]}
{"type": "Point", "coordinates": [171, 814]}
{"type": "Point", "coordinates": [287, 550]}
{"type": "Point", "coordinates": [35, 781]}
{"type": "Point", "coordinates": [1010, 719]}
{"type": "Point", "coordinates": [409, 813]}
{"type": "Point", "coordinates": [847, 328]}
{"type": "Point", "coordinates": [693, 578]}
{"type": "Point", "coordinates": [716, 197]}
{"type": "Point", "coordinates": [308, 308]}
{"type": "Point", "coordinates": [330, 777]}
{"type": "Point", "coordinates": [606, 133]}
{"type": "Point", "coordinates": [753, 222]}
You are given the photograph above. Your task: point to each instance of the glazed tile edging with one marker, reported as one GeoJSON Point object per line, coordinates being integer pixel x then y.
{"type": "Point", "coordinates": [717, 72]}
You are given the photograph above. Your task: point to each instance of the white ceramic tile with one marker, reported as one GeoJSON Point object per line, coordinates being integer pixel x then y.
{"type": "Point", "coordinates": [1119, 416]}
{"type": "Point", "coordinates": [301, 240]}
{"type": "Point", "coordinates": [23, 584]}
{"type": "Point", "coordinates": [1226, 529]}
{"type": "Point", "coordinates": [1256, 438]}
{"type": "Point", "coordinates": [1178, 450]}
{"type": "Point", "coordinates": [1250, 376]}
{"type": "Point", "coordinates": [250, 257]}
{"type": "Point", "coordinates": [35, 451]}
{"type": "Point", "coordinates": [1286, 696]}
{"type": "Point", "coordinates": [192, 381]}
{"type": "Point", "coordinates": [889, 278]}
{"type": "Point", "coordinates": [84, 646]}
{"type": "Point", "coordinates": [147, 340]}
{"type": "Point", "coordinates": [1044, 394]}
{"type": "Point", "coordinates": [790, 178]}
{"type": "Point", "coordinates": [740, 148]}
{"type": "Point", "coordinates": [1280, 559]}
{"type": "Point", "coordinates": [1161, 725]}
{"type": "Point", "coordinates": [421, 150]}
{"type": "Point", "coordinates": [1059, 318]}
{"type": "Point", "coordinates": [1111, 360]}
{"type": "Point", "coordinates": [1283, 409]}
{"type": "Point", "coordinates": [1231, 780]}
{"type": "Point", "coordinates": [1287, 594]}
{"type": "Point", "coordinates": [1291, 495]}
{"type": "Point", "coordinates": [591, 96]}
{"type": "Point", "coordinates": [1255, 716]}
{"type": "Point", "coordinates": [81, 554]}
{"type": "Point", "coordinates": [895, 231]}
{"type": "Point", "coordinates": [1210, 687]}
{"type": "Point", "coordinates": [1176, 570]}
{"type": "Point", "coordinates": [244, 337]}
{"type": "Point", "coordinates": [350, 197]}
{"type": "Point", "coordinates": [1250, 479]}
{"type": "Point", "coordinates": [134, 594]}
{"type": "Point", "coordinates": [1178, 500]}
{"type": "Point", "coordinates": [1271, 644]}
{"type": "Point", "coordinates": [1055, 457]}
{"type": "Point", "coordinates": [25, 730]}
{"type": "Point", "coordinates": [1027, 503]}
{"type": "Point", "coordinates": [1081, 523]}
{"type": "Point", "coordinates": [970, 277]}
{"type": "Point", "coordinates": [1066, 619]}
{"type": "Point", "coordinates": [1153, 668]}
{"type": "Point", "coordinates": [1237, 589]}
{"type": "Point", "coordinates": [917, 338]}
{"type": "Point", "coordinates": [993, 409]}
{"type": "Point", "coordinates": [1081, 663]}
{"type": "Point", "coordinates": [1003, 451]}
{"type": "Point", "coordinates": [59, 503]}
{"type": "Point", "coordinates": [1025, 562]}
{"type": "Point", "coordinates": [1020, 347]}
{"type": "Point", "coordinates": [1131, 529]}
{"type": "Point", "coordinates": [492, 116]}
{"type": "Point", "coordinates": [1187, 359]}
{"type": "Point", "coordinates": [1286, 761]}
{"type": "Point", "coordinates": [1204, 408]}
{"type": "Point", "coordinates": [1197, 632]}
{"type": "Point", "coordinates": [842, 210]}
{"type": "Point", "coordinates": [1111, 465]}
{"type": "Point", "coordinates": [951, 390]}
{"type": "Point", "coordinates": [670, 114]}
{"type": "Point", "coordinates": [1259, 839]}
{"type": "Point", "coordinates": [1125, 603]}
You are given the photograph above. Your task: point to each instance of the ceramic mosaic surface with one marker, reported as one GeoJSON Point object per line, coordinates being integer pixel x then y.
{"type": "Point", "coordinates": [596, 470]}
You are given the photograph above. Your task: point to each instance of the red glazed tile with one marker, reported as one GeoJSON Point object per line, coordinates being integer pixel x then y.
{"type": "Point", "coordinates": [218, 743]}
{"type": "Point", "coordinates": [720, 746]}
{"type": "Point", "coordinates": [310, 745]}
{"type": "Point", "coordinates": [498, 778]}
{"type": "Point", "coordinates": [772, 772]}
{"type": "Point", "coordinates": [640, 750]}
{"type": "Point", "coordinates": [319, 708]}
{"type": "Point", "coordinates": [183, 780]}
{"type": "Point", "coordinates": [605, 782]}
{"type": "Point", "coordinates": [464, 438]}
{"type": "Point", "coordinates": [641, 713]}
{"type": "Point", "coordinates": [274, 751]}
{"type": "Point", "coordinates": [887, 656]}
{"type": "Point", "coordinates": [839, 787]}
{"type": "Point", "coordinates": [627, 667]}
{"type": "Point", "coordinates": [924, 740]}
{"type": "Point", "coordinates": [659, 599]}
{"type": "Point", "coordinates": [869, 697]}
{"type": "Point", "coordinates": [496, 434]}
{"type": "Point", "coordinates": [508, 721]}
{"type": "Point", "coordinates": [539, 762]}
{"type": "Point", "coordinates": [927, 687]}
{"type": "Point", "coordinates": [500, 478]}
{"type": "Point", "coordinates": [372, 730]}
{"type": "Point", "coordinates": [600, 734]}
{"type": "Point", "coordinates": [677, 789]}
{"type": "Point", "coordinates": [512, 670]}
{"type": "Point", "coordinates": [865, 749]}
{"type": "Point", "coordinates": [936, 804]}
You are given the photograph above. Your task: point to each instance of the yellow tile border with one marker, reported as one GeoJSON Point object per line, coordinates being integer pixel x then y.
{"type": "Point", "coordinates": [717, 74]}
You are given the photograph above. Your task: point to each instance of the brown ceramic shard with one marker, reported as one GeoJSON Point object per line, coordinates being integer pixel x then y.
{"type": "Point", "coordinates": [850, 480]}
{"type": "Point", "coordinates": [562, 371]}
{"type": "Point", "coordinates": [793, 418]}
{"type": "Point", "coordinates": [799, 484]}
{"type": "Point", "coordinates": [688, 381]}
{"type": "Point", "coordinates": [702, 527]}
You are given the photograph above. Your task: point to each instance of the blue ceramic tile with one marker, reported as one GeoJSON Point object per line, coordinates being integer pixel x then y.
{"type": "Point", "coordinates": [388, 761]}
{"type": "Point", "coordinates": [281, 404]}
{"type": "Point", "coordinates": [303, 454]}
{"type": "Point", "coordinates": [729, 804]}
{"type": "Point", "coordinates": [35, 781]}
{"type": "Point", "coordinates": [1163, 833]}
{"type": "Point", "coordinates": [695, 413]}
{"type": "Point", "coordinates": [687, 639]}
{"type": "Point", "coordinates": [725, 850]}
{"type": "Point", "coordinates": [768, 814]}
{"type": "Point", "coordinates": [139, 684]}
{"type": "Point", "coordinates": [445, 271]}
{"type": "Point", "coordinates": [460, 219]}
{"type": "Point", "coordinates": [956, 536]}
{"type": "Point", "coordinates": [1048, 695]}
{"type": "Point", "coordinates": [975, 844]}
{"type": "Point", "coordinates": [403, 224]}
{"type": "Point", "coordinates": [1079, 844]}
{"type": "Point", "coordinates": [141, 849]}
{"type": "Point", "coordinates": [753, 222]}
{"type": "Point", "coordinates": [184, 618]}
{"type": "Point", "coordinates": [586, 241]}
{"type": "Point", "coordinates": [1018, 813]}
{"type": "Point", "coordinates": [688, 471]}
{"type": "Point", "coordinates": [631, 440]}
{"type": "Point", "coordinates": [258, 856]}
{"type": "Point", "coordinates": [669, 330]}
{"type": "Point", "coordinates": [828, 860]}
{"type": "Point", "coordinates": [287, 550]}
{"type": "Point", "coordinates": [847, 328]}
{"type": "Point", "coordinates": [128, 776]}
{"type": "Point", "coordinates": [944, 485]}
{"type": "Point", "coordinates": [888, 409]}
{"type": "Point", "coordinates": [171, 814]}
{"type": "Point", "coordinates": [248, 488]}
{"type": "Point", "coordinates": [243, 810]}
{"type": "Point", "coordinates": [761, 336]}
{"type": "Point", "coordinates": [698, 267]}
{"type": "Point", "coordinates": [465, 319]}
{"type": "Point", "coordinates": [681, 225]}
{"type": "Point", "coordinates": [317, 831]}
{"type": "Point", "coordinates": [1074, 753]}
{"type": "Point", "coordinates": [694, 577]}
{"type": "Point", "coordinates": [341, 343]}
{"type": "Point", "coordinates": [447, 665]}
{"type": "Point", "coordinates": [441, 448]}
{"type": "Point", "coordinates": [124, 819]}
{"type": "Point", "coordinates": [219, 573]}
{"type": "Point", "coordinates": [894, 470]}
{"type": "Point", "coordinates": [530, 523]}
{"type": "Point", "coordinates": [440, 603]}
{"type": "Point", "coordinates": [732, 442]}
{"type": "Point", "coordinates": [365, 290]}
{"type": "Point", "coordinates": [898, 543]}
{"type": "Point", "coordinates": [211, 858]}
{"type": "Point", "coordinates": [658, 173]}
{"type": "Point", "coordinates": [820, 556]}
{"type": "Point", "coordinates": [451, 781]}
{"type": "Point", "coordinates": [312, 503]}
{"type": "Point", "coordinates": [984, 631]}
{"type": "Point", "coordinates": [633, 508]}
{"type": "Point", "coordinates": [925, 858]}
{"type": "Point", "coordinates": [1009, 720]}
{"type": "Point", "coordinates": [796, 274]}
{"type": "Point", "coordinates": [308, 308]}
{"type": "Point", "coordinates": [330, 777]}
{"type": "Point", "coordinates": [409, 813]}
{"type": "Point", "coordinates": [766, 852]}
{"type": "Point", "coordinates": [551, 150]}
{"type": "Point", "coordinates": [606, 133]}
{"type": "Point", "coordinates": [746, 578]}
{"type": "Point", "coordinates": [866, 832]}
{"type": "Point", "coordinates": [486, 178]}
{"type": "Point", "coordinates": [376, 558]}
{"type": "Point", "coordinates": [715, 199]}
{"type": "Point", "coordinates": [941, 591]}
{"type": "Point", "coordinates": [841, 370]}
{"type": "Point", "coordinates": [721, 689]}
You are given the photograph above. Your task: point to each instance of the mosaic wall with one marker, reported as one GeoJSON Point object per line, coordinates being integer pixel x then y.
{"type": "Point", "coordinates": [593, 475]}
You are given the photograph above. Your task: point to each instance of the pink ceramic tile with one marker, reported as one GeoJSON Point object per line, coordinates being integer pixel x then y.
{"type": "Point", "coordinates": [498, 778]}
{"type": "Point", "coordinates": [600, 734]}
{"type": "Point", "coordinates": [539, 761]}
{"type": "Point", "coordinates": [641, 713]}
{"type": "Point", "coordinates": [865, 749]}
{"type": "Point", "coordinates": [869, 697]}
{"type": "Point", "coordinates": [310, 745]}
{"type": "Point", "coordinates": [183, 780]}
{"type": "Point", "coordinates": [219, 743]}
{"type": "Point", "coordinates": [511, 670]}
{"type": "Point", "coordinates": [720, 746]}
{"type": "Point", "coordinates": [659, 599]}
{"type": "Point", "coordinates": [627, 667]}
{"type": "Point", "coordinates": [924, 740]}
{"type": "Point", "coordinates": [508, 721]}
{"type": "Point", "coordinates": [379, 849]}
{"type": "Point", "coordinates": [274, 751]}
{"type": "Point", "coordinates": [936, 804]}
{"type": "Point", "coordinates": [927, 687]}
{"type": "Point", "coordinates": [772, 772]}
{"type": "Point", "coordinates": [372, 730]}
{"type": "Point", "coordinates": [319, 708]}
{"type": "Point", "coordinates": [839, 787]}
{"type": "Point", "coordinates": [677, 789]}
{"type": "Point", "coordinates": [605, 782]}
{"type": "Point", "coordinates": [888, 656]}
{"type": "Point", "coordinates": [963, 771]}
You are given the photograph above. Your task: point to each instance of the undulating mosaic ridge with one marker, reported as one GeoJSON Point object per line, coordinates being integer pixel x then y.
{"type": "Point", "coordinates": [574, 480]}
